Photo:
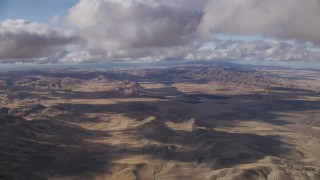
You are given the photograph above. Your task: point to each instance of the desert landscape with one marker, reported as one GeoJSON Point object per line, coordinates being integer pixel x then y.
{"type": "Point", "coordinates": [186, 122]}
{"type": "Point", "coordinates": [159, 90]}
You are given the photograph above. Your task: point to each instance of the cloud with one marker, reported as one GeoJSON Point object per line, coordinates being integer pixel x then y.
{"type": "Point", "coordinates": [123, 30]}
{"type": "Point", "coordinates": [112, 27]}
{"type": "Point", "coordinates": [288, 19]}
{"type": "Point", "coordinates": [255, 50]}
{"type": "Point", "coordinates": [140, 54]}
{"type": "Point", "coordinates": [151, 29]}
{"type": "Point", "coordinates": [23, 39]}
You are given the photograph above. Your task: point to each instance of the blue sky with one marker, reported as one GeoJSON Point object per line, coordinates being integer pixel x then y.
{"type": "Point", "coordinates": [34, 10]}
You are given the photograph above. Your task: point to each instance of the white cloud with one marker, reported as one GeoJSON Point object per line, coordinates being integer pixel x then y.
{"type": "Point", "coordinates": [289, 19]}
{"type": "Point", "coordinates": [23, 39]}
{"type": "Point", "coordinates": [255, 50]}
{"type": "Point", "coordinates": [121, 30]}
{"type": "Point", "coordinates": [121, 26]}
{"type": "Point", "coordinates": [146, 29]}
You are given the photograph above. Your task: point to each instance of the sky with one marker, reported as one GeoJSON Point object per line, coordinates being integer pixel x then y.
{"type": "Point", "coordinates": [82, 31]}
{"type": "Point", "coordinates": [34, 10]}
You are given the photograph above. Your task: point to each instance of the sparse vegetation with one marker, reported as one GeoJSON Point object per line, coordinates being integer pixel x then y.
{"type": "Point", "coordinates": [201, 122]}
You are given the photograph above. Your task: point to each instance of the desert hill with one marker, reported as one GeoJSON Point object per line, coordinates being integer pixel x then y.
{"type": "Point", "coordinates": [201, 122]}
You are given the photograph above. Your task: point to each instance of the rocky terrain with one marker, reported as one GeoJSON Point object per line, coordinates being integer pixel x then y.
{"type": "Point", "coordinates": [212, 73]}
{"type": "Point", "coordinates": [189, 122]}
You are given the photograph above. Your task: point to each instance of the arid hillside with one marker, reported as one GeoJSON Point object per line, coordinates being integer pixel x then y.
{"type": "Point", "coordinates": [187, 122]}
